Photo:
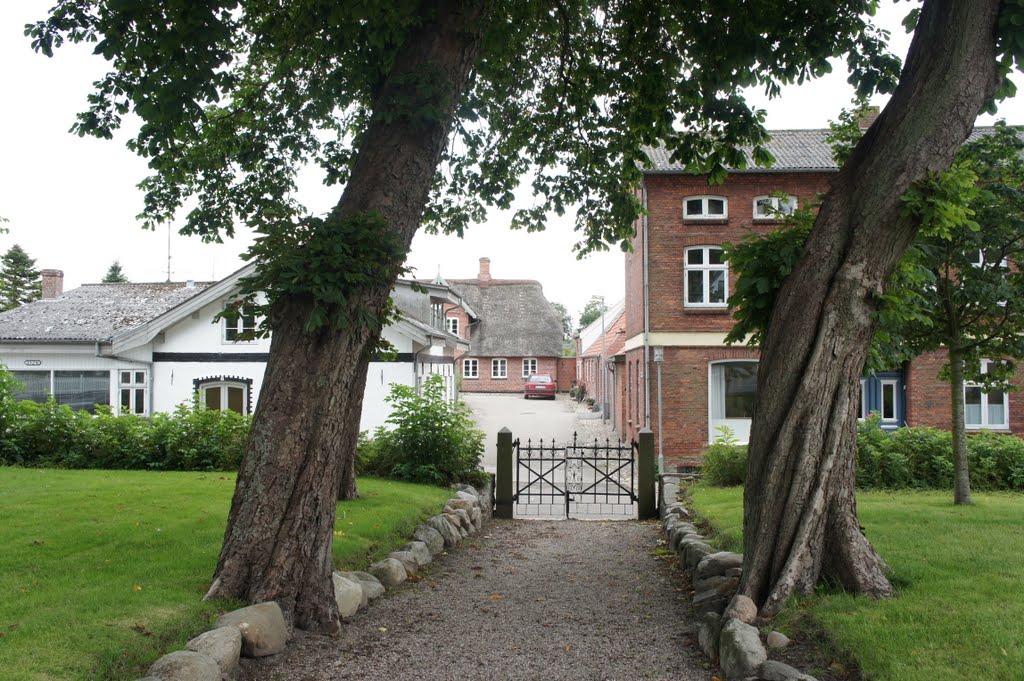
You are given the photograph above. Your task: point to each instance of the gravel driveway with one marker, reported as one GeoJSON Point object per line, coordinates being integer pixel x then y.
{"type": "Point", "coordinates": [520, 600]}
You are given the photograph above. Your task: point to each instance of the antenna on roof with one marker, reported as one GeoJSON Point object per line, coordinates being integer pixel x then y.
{"type": "Point", "coordinates": [168, 252]}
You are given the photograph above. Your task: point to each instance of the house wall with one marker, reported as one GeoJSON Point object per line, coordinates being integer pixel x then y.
{"type": "Point", "coordinates": [515, 382]}
{"type": "Point", "coordinates": [565, 373]}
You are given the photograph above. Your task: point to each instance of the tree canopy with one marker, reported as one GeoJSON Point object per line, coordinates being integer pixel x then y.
{"type": "Point", "coordinates": [19, 278]}
{"type": "Point", "coordinates": [114, 274]}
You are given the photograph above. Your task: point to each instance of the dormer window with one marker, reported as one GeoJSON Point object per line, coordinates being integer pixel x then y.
{"type": "Point", "coordinates": [705, 208]}
{"type": "Point", "coordinates": [451, 325]}
{"type": "Point", "coordinates": [773, 207]}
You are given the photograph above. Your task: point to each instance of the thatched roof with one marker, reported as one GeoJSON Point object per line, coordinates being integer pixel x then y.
{"type": "Point", "coordinates": [516, 320]}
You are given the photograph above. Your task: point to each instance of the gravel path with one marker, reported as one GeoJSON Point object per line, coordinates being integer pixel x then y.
{"type": "Point", "coordinates": [521, 600]}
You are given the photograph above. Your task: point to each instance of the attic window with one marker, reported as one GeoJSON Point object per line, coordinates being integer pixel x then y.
{"type": "Point", "coordinates": [451, 325]}
{"type": "Point", "coordinates": [705, 208]}
{"type": "Point", "coordinates": [242, 326]}
{"type": "Point", "coordinates": [773, 207]}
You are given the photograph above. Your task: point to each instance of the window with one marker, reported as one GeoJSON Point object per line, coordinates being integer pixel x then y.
{"type": "Point", "coordinates": [705, 208]}
{"type": "Point", "coordinates": [773, 207]}
{"type": "Point", "coordinates": [979, 259]}
{"type": "Point", "coordinates": [529, 367]}
{"type": "Point", "coordinates": [470, 368]}
{"type": "Point", "coordinates": [881, 393]}
{"type": "Point", "coordinates": [225, 394]}
{"type": "Point", "coordinates": [451, 325]}
{"type": "Point", "coordinates": [243, 325]}
{"type": "Point", "coordinates": [35, 385]}
{"type": "Point", "coordinates": [132, 386]}
{"type": "Point", "coordinates": [890, 401]}
{"type": "Point", "coordinates": [731, 398]}
{"type": "Point", "coordinates": [707, 277]}
{"type": "Point", "coordinates": [82, 389]}
{"type": "Point", "coordinates": [499, 368]}
{"type": "Point", "coordinates": [985, 409]}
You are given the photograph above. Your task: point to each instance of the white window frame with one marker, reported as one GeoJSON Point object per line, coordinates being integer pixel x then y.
{"type": "Point", "coordinates": [223, 385]}
{"type": "Point", "coordinates": [470, 368]}
{"type": "Point", "coordinates": [706, 269]}
{"type": "Point", "coordinates": [704, 204]}
{"type": "Point", "coordinates": [136, 389]}
{"type": "Point", "coordinates": [894, 385]}
{"type": "Point", "coordinates": [985, 423]}
{"type": "Point", "coordinates": [499, 363]}
{"type": "Point", "coordinates": [238, 326]}
{"type": "Point", "coordinates": [451, 325]}
{"type": "Point", "coordinates": [740, 426]}
{"type": "Point", "coordinates": [526, 363]}
{"type": "Point", "coordinates": [776, 203]}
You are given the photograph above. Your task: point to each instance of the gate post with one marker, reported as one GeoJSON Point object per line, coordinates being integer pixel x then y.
{"type": "Point", "coordinates": [646, 498]}
{"type": "Point", "coordinates": [503, 495]}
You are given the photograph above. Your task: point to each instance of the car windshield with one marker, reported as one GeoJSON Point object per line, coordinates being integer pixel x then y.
{"type": "Point", "coordinates": [540, 379]}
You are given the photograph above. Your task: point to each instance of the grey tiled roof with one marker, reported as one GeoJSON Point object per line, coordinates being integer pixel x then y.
{"type": "Point", "coordinates": [94, 312]}
{"type": "Point", "coordinates": [516, 320]}
{"type": "Point", "coordinates": [793, 150]}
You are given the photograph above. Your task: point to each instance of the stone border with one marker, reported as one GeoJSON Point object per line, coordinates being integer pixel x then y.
{"type": "Point", "coordinates": [260, 630]}
{"type": "Point", "coordinates": [726, 633]}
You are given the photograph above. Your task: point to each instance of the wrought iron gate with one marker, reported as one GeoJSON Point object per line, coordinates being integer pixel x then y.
{"type": "Point", "coordinates": [599, 478]}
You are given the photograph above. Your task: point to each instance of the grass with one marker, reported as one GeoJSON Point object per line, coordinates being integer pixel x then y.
{"type": "Point", "coordinates": [960, 581]}
{"type": "Point", "coordinates": [101, 572]}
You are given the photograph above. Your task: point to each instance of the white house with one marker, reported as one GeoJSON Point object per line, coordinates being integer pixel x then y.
{"type": "Point", "coordinates": [145, 348]}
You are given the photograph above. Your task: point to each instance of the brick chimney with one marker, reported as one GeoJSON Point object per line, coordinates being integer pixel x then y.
{"type": "Point", "coordinates": [868, 117]}
{"type": "Point", "coordinates": [484, 278]}
{"type": "Point", "coordinates": [53, 283]}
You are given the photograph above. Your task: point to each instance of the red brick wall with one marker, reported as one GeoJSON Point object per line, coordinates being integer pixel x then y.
{"type": "Point", "coordinates": [670, 235]}
{"type": "Point", "coordinates": [515, 383]}
{"type": "Point", "coordinates": [928, 398]}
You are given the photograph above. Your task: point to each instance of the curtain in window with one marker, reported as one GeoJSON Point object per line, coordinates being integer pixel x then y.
{"type": "Point", "coordinates": [36, 385]}
{"type": "Point", "coordinates": [82, 389]}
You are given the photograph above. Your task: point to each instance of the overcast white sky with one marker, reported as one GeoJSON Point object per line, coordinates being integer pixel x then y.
{"type": "Point", "coordinates": [72, 201]}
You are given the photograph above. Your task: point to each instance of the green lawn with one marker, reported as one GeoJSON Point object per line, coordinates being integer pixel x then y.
{"type": "Point", "coordinates": [101, 572]}
{"type": "Point", "coordinates": [960, 578]}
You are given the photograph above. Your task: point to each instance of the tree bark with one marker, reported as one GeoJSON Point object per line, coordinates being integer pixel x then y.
{"type": "Point", "coordinates": [277, 545]}
{"type": "Point", "coordinates": [800, 521]}
{"type": "Point", "coordinates": [961, 471]}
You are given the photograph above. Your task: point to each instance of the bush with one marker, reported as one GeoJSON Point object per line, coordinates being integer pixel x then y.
{"type": "Point", "coordinates": [431, 440]}
{"type": "Point", "coordinates": [725, 461]}
{"type": "Point", "coordinates": [193, 438]}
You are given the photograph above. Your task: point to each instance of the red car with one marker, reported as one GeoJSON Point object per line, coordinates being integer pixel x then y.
{"type": "Point", "coordinates": [540, 385]}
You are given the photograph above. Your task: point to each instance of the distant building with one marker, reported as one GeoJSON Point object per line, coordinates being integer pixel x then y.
{"type": "Point", "coordinates": [516, 333]}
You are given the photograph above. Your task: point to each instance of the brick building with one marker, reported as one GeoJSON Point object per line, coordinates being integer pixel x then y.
{"type": "Point", "coordinates": [676, 314]}
{"type": "Point", "coordinates": [515, 333]}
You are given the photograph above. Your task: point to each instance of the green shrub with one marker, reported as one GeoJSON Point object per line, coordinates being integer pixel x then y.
{"type": "Point", "coordinates": [725, 462]}
{"type": "Point", "coordinates": [996, 461]}
{"type": "Point", "coordinates": [431, 440]}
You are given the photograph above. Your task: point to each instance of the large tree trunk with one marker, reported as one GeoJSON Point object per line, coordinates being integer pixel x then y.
{"type": "Point", "coordinates": [278, 541]}
{"type": "Point", "coordinates": [800, 522]}
{"type": "Point", "coordinates": [961, 471]}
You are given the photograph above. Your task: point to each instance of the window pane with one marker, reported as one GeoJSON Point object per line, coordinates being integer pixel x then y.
{"type": "Point", "coordinates": [126, 400]}
{"type": "Point", "coordinates": [695, 287]}
{"type": "Point", "coordinates": [82, 389]}
{"type": "Point", "coordinates": [212, 396]}
{"type": "Point", "coordinates": [715, 256]}
{"type": "Point", "coordinates": [716, 207]}
{"type": "Point", "coordinates": [888, 402]}
{"type": "Point", "coordinates": [126, 377]}
{"type": "Point", "coordinates": [740, 386]}
{"type": "Point", "coordinates": [694, 206]}
{"type": "Point", "coordinates": [695, 256]}
{"type": "Point", "coordinates": [716, 288]}
{"type": "Point", "coordinates": [972, 405]}
{"type": "Point", "coordinates": [140, 377]}
{"type": "Point", "coordinates": [140, 401]}
{"type": "Point", "coordinates": [231, 331]}
{"type": "Point", "coordinates": [787, 206]}
{"type": "Point", "coordinates": [762, 207]}
{"type": "Point", "coordinates": [37, 385]}
{"type": "Point", "coordinates": [996, 409]}
{"type": "Point", "coordinates": [236, 399]}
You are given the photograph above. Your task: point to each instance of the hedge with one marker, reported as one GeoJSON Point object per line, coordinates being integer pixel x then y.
{"type": "Point", "coordinates": [916, 457]}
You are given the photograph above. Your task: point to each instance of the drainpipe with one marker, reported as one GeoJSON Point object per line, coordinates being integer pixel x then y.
{"type": "Point", "coordinates": [647, 317]}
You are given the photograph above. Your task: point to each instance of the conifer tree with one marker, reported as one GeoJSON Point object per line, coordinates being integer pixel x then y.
{"type": "Point", "coordinates": [19, 279]}
{"type": "Point", "coordinates": [115, 275]}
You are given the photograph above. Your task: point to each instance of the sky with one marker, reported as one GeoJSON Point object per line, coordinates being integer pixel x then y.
{"type": "Point", "coordinates": [71, 201]}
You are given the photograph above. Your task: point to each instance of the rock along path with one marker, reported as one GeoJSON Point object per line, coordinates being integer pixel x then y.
{"type": "Point", "coordinates": [521, 600]}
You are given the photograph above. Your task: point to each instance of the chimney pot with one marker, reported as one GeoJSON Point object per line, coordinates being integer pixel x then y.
{"type": "Point", "coordinates": [52, 283]}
